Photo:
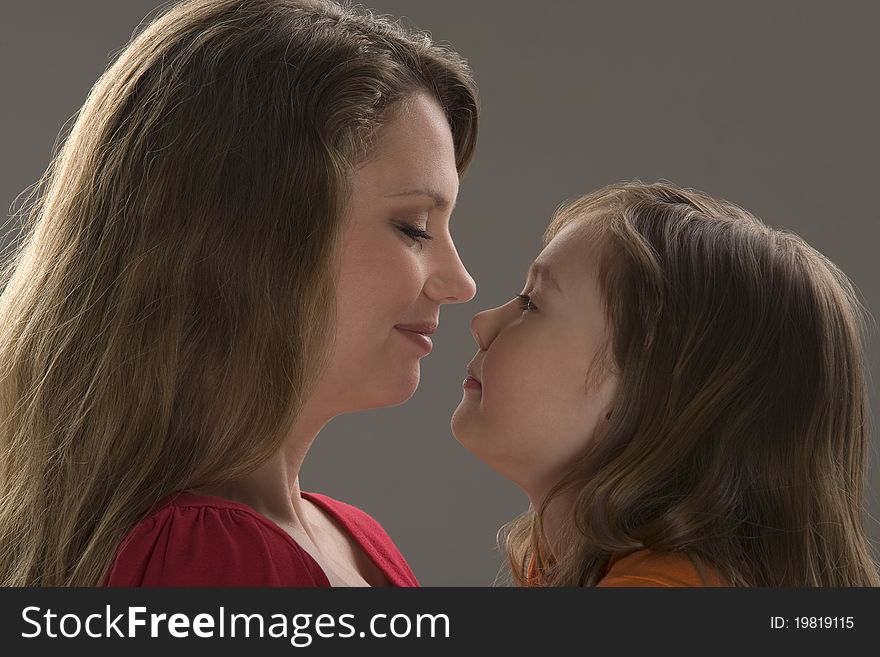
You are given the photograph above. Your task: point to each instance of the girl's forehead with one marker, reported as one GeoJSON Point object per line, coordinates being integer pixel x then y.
{"type": "Point", "coordinates": [570, 260]}
{"type": "Point", "coordinates": [576, 242]}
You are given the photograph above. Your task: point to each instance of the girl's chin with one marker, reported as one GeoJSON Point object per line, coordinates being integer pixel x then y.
{"type": "Point", "coordinates": [462, 424]}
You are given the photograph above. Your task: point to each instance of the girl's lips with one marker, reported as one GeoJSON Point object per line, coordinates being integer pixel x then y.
{"type": "Point", "coordinates": [471, 383]}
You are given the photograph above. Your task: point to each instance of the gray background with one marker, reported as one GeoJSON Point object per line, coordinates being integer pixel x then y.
{"type": "Point", "coordinates": [773, 105]}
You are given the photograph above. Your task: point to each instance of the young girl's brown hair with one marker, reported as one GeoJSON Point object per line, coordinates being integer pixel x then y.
{"type": "Point", "coordinates": [740, 430]}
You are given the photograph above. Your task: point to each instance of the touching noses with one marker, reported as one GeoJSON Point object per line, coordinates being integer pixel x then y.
{"type": "Point", "coordinates": [486, 325]}
{"type": "Point", "coordinates": [449, 281]}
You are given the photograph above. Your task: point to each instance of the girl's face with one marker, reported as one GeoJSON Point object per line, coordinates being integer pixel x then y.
{"type": "Point", "coordinates": [539, 387]}
{"type": "Point", "coordinates": [393, 278]}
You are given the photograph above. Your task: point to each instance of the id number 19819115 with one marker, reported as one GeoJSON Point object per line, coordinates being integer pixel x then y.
{"type": "Point", "coordinates": [813, 622]}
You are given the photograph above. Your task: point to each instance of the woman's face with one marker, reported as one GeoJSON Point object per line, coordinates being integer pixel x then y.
{"type": "Point", "coordinates": [393, 278]}
{"type": "Point", "coordinates": [539, 387]}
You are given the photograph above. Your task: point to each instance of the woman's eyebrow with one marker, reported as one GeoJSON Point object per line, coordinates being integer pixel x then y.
{"type": "Point", "coordinates": [440, 201]}
{"type": "Point", "coordinates": [546, 274]}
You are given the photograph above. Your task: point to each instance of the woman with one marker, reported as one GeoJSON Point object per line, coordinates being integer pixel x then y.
{"type": "Point", "coordinates": [680, 391]}
{"type": "Point", "coordinates": [245, 235]}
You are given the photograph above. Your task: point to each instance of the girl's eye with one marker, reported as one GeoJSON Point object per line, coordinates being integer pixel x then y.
{"type": "Point", "coordinates": [416, 234]}
{"type": "Point", "coordinates": [525, 303]}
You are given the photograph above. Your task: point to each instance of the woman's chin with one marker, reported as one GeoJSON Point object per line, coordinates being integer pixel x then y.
{"type": "Point", "coordinates": [393, 391]}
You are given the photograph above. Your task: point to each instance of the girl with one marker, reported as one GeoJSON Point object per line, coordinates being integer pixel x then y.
{"type": "Point", "coordinates": [680, 391]}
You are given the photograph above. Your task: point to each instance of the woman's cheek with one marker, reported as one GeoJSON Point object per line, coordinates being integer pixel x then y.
{"type": "Point", "coordinates": [402, 272]}
{"type": "Point", "coordinates": [389, 285]}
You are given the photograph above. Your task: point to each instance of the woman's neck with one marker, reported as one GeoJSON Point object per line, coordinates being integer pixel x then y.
{"type": "Point", "coordinates": [273, 489]}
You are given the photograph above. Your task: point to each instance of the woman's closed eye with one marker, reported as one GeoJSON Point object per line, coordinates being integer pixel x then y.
{"type": "Point", "coordinates": [414, 232]}
{"type": "Point", "coordinates": [526, 303]}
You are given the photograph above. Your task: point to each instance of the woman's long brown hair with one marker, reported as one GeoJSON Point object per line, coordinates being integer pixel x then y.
{"type": "Point", "coordinates": [167, 307]}
{"type": "Point", "coordinates": [740, 431]}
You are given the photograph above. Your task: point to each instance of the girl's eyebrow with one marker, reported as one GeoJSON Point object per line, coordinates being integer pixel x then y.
{"type": "Point", "coordinates": [546, 274]}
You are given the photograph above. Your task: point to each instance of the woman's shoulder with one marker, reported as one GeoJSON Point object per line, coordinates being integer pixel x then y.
{"type": "Point", "coordinates": [650, 568]}
{"type": "Point", "coordinates": [352, 517]}
{"type": "Point", "coordinates": [202, 540]}
{"type": "Point", "coordinates": [371, 536]}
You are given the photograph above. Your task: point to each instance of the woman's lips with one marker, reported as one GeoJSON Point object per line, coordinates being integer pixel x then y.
{"type": "Point", "coordinates": [419, 339]}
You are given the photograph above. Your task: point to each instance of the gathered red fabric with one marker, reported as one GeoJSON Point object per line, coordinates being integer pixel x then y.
{"type": "Point", "coordinates": [201, 540]}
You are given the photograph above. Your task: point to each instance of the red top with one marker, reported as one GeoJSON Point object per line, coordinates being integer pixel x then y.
{"type": "Point", "coordinates": [201, 540]}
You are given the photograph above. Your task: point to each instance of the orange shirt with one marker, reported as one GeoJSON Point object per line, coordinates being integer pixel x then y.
{"type": "Point", "coordinates": [647, 568]}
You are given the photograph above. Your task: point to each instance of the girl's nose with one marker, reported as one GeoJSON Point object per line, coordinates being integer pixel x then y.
{"type": "Point", "coordinates": [486, 325]}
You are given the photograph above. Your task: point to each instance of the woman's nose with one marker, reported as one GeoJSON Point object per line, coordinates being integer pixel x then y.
{"type": "Point", "coordinates": [450, 282]}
